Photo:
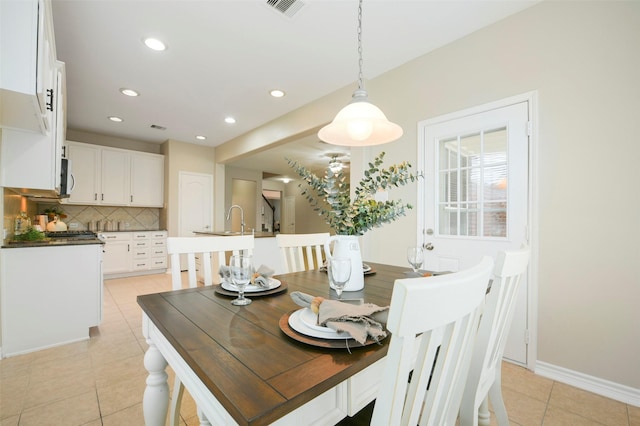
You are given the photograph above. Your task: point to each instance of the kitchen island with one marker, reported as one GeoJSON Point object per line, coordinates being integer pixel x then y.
{"type": "Point", "coordinates": [265, 251]}
{"type": "Point", "coordinates": [50, 295]}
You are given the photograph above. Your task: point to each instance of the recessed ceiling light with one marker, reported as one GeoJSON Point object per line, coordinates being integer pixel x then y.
{"type": "Point", "coordinates": [276, 93]}
{"type": "Point", "coordinates": [155, 44]}
{"type": "Point", "coordinates": [116, 119]}
{"type": "Point", "coordinates": [201, 138]}
{"type": "Point", "coordinates": [286, 180]}
{"type": "Point", "coordinates": [129, 92]}
{"type": "Point", "coordinates": [230, 120]}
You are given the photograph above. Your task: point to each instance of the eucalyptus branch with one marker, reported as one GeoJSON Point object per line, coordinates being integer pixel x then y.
{"type": "Point", "coordinates": [330, 196]}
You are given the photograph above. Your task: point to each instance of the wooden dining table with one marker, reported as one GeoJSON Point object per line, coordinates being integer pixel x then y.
{"type": "Point", "coordinates": [239, 365]}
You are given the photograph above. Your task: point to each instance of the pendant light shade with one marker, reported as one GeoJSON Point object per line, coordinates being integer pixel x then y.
{"type": "Point", "coordinates": [360, 123]}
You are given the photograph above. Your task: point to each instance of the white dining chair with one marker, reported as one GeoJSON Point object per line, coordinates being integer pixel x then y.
{"type": "Point", "coordinates": [296, 248]}
{"type": "Point", "coordinates": [484, 378]}
{"type": "Point", "coordinates": [433, 322]}
{"type": "Point", "coordinates": [206, 248]}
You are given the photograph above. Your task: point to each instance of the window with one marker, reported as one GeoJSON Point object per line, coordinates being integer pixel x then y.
{"type": "Point", "coordinates": [472, 199]}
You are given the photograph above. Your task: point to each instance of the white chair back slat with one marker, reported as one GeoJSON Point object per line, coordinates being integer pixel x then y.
{"type": "Point", "coordinates": [485, 370]}
{"type": "Point", "coordinates": [296, 248]}
{"type": "Point", "coordinates": [433, 322]}
{"type": "Point", "coordinates": [204, 248]}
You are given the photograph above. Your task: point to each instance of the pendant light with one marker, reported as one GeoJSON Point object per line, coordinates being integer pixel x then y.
{"type": "Point", "coordinates": [360, 123]}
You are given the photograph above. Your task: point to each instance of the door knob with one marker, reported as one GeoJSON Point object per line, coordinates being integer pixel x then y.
{"type": "Point", "coordinates": [428, 246]}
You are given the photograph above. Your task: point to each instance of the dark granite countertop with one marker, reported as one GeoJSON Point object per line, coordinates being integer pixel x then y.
{"type": "Point", "coordinates": [50, 243]}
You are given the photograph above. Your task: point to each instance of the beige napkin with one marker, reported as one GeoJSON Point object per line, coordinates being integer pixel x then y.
{"type": "Point", "coordinates": [360, 321]}
{"type": "Point", "coordinates": [264, 273]}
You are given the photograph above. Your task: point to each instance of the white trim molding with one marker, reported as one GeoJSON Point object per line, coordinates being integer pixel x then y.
{"type": "Point", "coordinates": [602, 387]}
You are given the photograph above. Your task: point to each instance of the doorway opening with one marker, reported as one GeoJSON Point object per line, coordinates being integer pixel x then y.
{"type": "Point", "coordinates": [271, 210]}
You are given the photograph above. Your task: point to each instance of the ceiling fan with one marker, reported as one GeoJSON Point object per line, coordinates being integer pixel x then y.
{"type": "Point", "coordinates": [338, 161]}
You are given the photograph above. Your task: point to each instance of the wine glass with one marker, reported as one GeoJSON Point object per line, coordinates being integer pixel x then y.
{"type": "Point", "coordinates": [340, 270]}
{"type": "Point", "coordinates": [415, 257]}
{"type": "Point", "coordinates": [241, 270]}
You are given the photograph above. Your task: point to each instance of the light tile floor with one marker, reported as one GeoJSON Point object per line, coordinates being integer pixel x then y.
{"type": "Point", "coordinates": [101, 381]}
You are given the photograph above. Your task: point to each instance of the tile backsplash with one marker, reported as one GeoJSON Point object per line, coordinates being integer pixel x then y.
{"type": "Point", "coordinates": [133, 218]}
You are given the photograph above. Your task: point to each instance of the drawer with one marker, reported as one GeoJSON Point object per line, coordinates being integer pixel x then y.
{"type": "Point", "coordinates": [141, 235]}
{"type": "Point", "coordinates": [140, 264]}
{"type": "Point", "coordinates": [158, 243]}
{"type": "Point", "coordinates": [140, 244]}
{"type": "Point", "coordinates": [141, 253]}
{"type": "Point", "coordinates": [115, 236]}
{"type": "Point", "coordinates": [158, 262]}
{"type": "Point", "coordinates": [158, 234]}
{"type": "Point", "coordinates": [158, 252]}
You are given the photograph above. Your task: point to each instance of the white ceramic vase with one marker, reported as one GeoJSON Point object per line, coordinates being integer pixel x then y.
{"type": "Point", "coordinates": [347, 246]}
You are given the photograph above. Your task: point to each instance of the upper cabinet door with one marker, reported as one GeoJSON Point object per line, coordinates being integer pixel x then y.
{"type": "Point", "coordinates": [147, 180]}
{"type": "Point", "coordinates": [85, 170]}
{"type": "Point", "coordinates": [115, 177]}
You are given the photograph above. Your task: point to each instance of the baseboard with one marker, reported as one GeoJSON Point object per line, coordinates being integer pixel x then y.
{"type": "Point", "coordinates": [602, 387]}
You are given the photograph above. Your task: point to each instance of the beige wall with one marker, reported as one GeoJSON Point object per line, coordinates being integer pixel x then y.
{"type": "Point", "coordinates": [582, 58]}
{"type": "Point", "coordinates": [251, 212]}
{"type": "Point", "coordinates": [112, 141]}
{"type": "Point", "coordinates": [307, 220]}
{"type": "Point", "coordinates": [180, 156]}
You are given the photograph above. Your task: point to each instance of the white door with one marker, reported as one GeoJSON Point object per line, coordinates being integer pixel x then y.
{"type": "Point", "coordinates": [476, 195]}
{"type": "Point", "coordinates": [195, 201]}
{"type": "Point", "coordinates": [195, 198]}
{"type": "Point", "coordinates": [289, 215]}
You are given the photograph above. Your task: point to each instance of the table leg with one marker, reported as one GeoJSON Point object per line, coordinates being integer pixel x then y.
{"type": "Point", "coordinates": [203, 419]}
{"type": "Point", "coordinates": [156, 395]}
{"type": "Point", "coordinates": [483, 413]}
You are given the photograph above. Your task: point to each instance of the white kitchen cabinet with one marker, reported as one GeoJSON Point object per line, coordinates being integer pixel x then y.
{"type": "Point", "coordinates": [115, 177]}
{"type": "Point", "coordinates": [117, 252]}
{"type": "Point", "coordinates": [32, 89]}
{"type": "Point", "coordinates": [28, 66]}
{"type": "Point", "coordinates": [49, 296]}
{"type": "Point", "coordinates": [147, 180]}
{"type": "Point", "coordinates": [134, 253]}
{"type": "Point", "coordinates": [85, 163]}
{"type": "Point", "coordinates": [149, 250]}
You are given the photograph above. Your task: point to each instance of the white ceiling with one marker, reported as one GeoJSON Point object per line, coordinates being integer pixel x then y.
{"type": "Point", "coordinates": [224, 56]}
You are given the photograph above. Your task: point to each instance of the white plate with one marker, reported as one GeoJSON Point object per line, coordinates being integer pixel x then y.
{"type": "Point", "coordinates": [252, 288]}
{"type": "Point", "coordinates": [311, 320]}
{"type": "Point", "coordinates": [300, 326]}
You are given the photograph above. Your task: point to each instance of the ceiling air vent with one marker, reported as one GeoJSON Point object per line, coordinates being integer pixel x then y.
{"type": "Point", "coordinates": [287, 7]}
{"type": "Point", "coordinates": [157, 127]}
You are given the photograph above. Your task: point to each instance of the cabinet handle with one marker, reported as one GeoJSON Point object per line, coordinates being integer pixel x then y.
{"type": "Point", "coordinates": [95, 196]}
{"type": "Point", "coordinates": [102, 197]}
{"type": "Point", "coordinates": [50, 96]}
{"type": "Point", "coordinates": [131, 198]}
{"type": "Point", "coordinates": [128, 247]}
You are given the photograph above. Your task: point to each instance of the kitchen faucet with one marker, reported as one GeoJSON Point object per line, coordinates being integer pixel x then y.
{"type": "Point", "coordinates": [235, 206]}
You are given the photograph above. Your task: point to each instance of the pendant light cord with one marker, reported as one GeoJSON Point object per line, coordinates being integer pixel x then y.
{"type": "Point", "coordinates": [360, 79]}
